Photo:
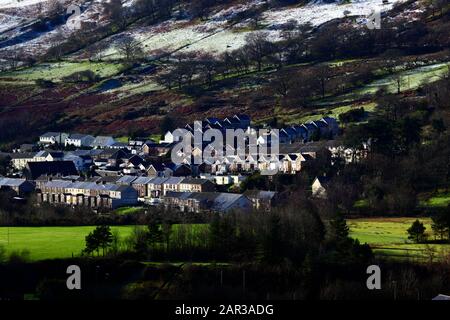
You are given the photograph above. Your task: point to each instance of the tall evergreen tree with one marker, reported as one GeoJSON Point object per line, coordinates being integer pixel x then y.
{"type": "Point", "coordinates": [417, 231]}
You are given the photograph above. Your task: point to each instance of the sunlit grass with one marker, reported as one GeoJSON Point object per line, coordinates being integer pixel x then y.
{"type": "Point", "coordinates": [55, 71]}
{"type": "Point", "coordinates": [388, 237]}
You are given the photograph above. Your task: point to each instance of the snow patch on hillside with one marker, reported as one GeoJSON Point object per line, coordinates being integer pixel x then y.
{"type": "Point", "coordinates": [216, 35]}
{"type": "Point", "coordinates": [318, 13]}
{"type": "Point", "coordinates": [18, 3]}
{"type": "Point", "coordinates": [8, 21]}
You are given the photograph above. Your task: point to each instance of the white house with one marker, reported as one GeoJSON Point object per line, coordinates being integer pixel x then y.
{"type": "Point", "coordinates": [19, 160]}
{"type": "Point", "coordinates": [225, 179]}
{"type": "Point", "coordinates": [168, 138]}
{"type": "Point", "coordinates": [48, 156]}
{"type": "Point", "coordinates": [319, 187]}
{"type": "Point", "coordinates": [53, 137]}
{"type": "Point", "coordinates": [79, 140]}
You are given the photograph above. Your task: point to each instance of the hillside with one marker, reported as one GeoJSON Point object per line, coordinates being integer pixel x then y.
{"type": "Point", "coordinates": [130, 64]}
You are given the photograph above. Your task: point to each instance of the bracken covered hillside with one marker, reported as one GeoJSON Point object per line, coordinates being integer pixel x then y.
{"type": "Point", "coordinates": [123, 67]}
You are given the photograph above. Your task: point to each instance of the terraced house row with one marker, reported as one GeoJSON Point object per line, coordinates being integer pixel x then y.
{"type": "Point", "coordinates": [90, 194]}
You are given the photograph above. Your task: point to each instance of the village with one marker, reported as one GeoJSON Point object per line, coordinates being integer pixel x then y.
{"type": "Point", "coordinates": [102, 173]}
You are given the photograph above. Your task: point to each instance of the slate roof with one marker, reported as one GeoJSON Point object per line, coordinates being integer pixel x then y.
{"type": "Point", "coordinates": [242, 117]}
{"type": "Point", "coordinates": [62, 168]}
{"type": "Point", "coordinates": [158, 166]}
{"type": "Point", "coordinates": [126, 179]}
{"type": "Point", "coordinates": [85, 185]}
{"type": "Point", "coordinates": [50, 134]}
{"type": "Point", "coordinates": [11, 182]}
{"type": "Point", "coordinates": [23, 155]}
{"type": "Point", "coordinates": [260, 194]}
{"type": "Point", "coordinates": [194, 181]}
{"type": "Point", "coordinates": [92, 153]}
{"type": "Point", "coordinates": [142, 180]}
{"type": "Point", "coordinates": [320, 124]}
{"type": "Point", "coordinates": [215, 201]}
{"type": "Point", "coordinates": [102, 141]}
{"type": "Point", "coordinates": [174, 180]}
{"type": "Point", "coordinates": [159, 180]}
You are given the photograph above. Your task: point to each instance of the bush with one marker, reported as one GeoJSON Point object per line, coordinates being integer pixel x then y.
{"type": "Point", "coordinates": [82, 76]}
{"type": "Point", "coordinates": [42, 83]}
{"type": "Point", "coordinates": [354, 115]}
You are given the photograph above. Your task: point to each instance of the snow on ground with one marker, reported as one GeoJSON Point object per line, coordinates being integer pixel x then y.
{"type": "Point", "coordinates": [216, 36]}
{"type": "Point", "coordinates": [9, 21]}
{"type": "Point", "coordinates": [18, 3]}
{"type": "Point", "coordinates": [318, 13]}
{"type": "Point", "coordinates": [35, 43]}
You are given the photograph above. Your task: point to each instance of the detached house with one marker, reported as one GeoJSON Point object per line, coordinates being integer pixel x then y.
{"type": "Point", "coordinates": [319, 187]}
{"type": "Point", "coordinates": [168, 138]}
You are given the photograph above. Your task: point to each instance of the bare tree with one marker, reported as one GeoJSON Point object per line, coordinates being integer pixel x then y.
{"type": "Point", "coordinates": [55, 8]}
{"type": "Point", "coordinates": [130, 49]}
{"type": "Point", "coordinates": [323, 74]}
{"type": "Point", "coordinates": [115, 12]}
{"type": "Point", "coordinates": [257, 47]}
{"type": "Point", "coordinates": [208, 67]}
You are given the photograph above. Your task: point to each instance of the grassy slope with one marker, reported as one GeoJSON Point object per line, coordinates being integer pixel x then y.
{"type": "Point", "coordinates": [388, 236]}
{"type": "Point", "coordinates": [58, 70]}
{"type": "Point", "coordinates": [410, 80]}
{"type": "Point", "coordinates": [437, 200]}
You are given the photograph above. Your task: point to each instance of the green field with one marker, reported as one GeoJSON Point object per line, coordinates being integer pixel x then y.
{"type": "Point", "coordinates": [296, 117]}
{"type": "Point", "coordinates": [409, 79]}
{"type": "Point", "coordinates": [128, 210]}
{"type": "Point", "coordinates": [388, 237]}
{"type": "Point", "coordinates": [50, 242]}
{"type": "Point", "coordinates": [437, 200]}
{"type": "Point", "coordinates": [61, 242]}
{"type": "Point", "coordinates": [55, 71]}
